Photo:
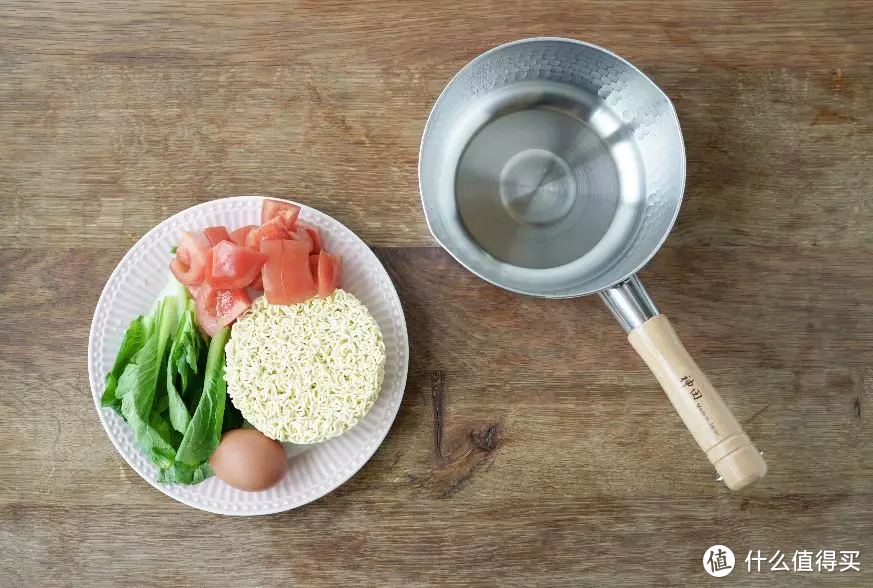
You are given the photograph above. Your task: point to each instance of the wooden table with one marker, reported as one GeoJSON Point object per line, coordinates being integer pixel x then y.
{"type": "Point", "coordinates": [114, 115]}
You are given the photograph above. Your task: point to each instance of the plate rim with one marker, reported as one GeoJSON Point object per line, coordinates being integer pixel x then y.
{"type": "Point", "coordinates": [380, 436]}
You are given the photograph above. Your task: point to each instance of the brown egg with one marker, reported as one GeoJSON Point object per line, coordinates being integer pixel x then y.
{"type": "Point", "coordinates": [249, 460]}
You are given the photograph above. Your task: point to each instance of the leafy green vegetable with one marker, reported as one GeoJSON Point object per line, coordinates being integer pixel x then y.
{"type": "Point", "coordinates": [173, 249]}
{"type": "Point", "coordinates": [180, 473]}
{"type": "Point", "coordinates": [182, 366]}
{"type": "Point", "coordinates": [203, 471]}
{"type": "Point", "coordinates": [133, 340]}
{"type": "Point", "coordinates": [204, 431]}
{"type": "Point", "coordinates": [137, 384]}
{"type": "Point", "coordinates": [161, 426]}
{"type": "Point", "coordinates": [171, 390]}
{"type": "Point", "coordinates": [161, 402]}
{"type": "Point", "coordinates": [191, 396]}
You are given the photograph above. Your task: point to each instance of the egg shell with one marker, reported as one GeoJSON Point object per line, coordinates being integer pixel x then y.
{"type": "Point", "coordinates": [249, 460]}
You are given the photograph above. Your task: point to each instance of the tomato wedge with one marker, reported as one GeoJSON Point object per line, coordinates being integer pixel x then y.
{"type": "Point", "coordinates": [287, 277]}
{"type": "Point", "coordinates": [216, 308]}
{"type": "Point", "coordinates": [314, 235]}
{"type": "Point", "coordinates": [325, 275]}
{"type": "Point", "coordinates": [313, 266]}
{"type": "Point", "coordinates": [189, 265]}
{"type": "Point", "coordinates": [231, 266]}
{"type": "Point", "coordinates": [337, 270]}
{"type": "Point", "coordinates": [289, 218]}
{"type": "Point", "coordinates": [216, 235]}
{"type": "Point", "coordinates": [239, 235]}
{"type": "Point", "coordinates": [302, 235]}
{"type": "Point", "coordinates": [269, 231]}
{"type": "Point", "coordinates": [273, 208]}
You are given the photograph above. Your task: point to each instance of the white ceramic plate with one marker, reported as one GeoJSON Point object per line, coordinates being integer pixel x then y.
{"type": "Point", "coordinates": [313, 470]}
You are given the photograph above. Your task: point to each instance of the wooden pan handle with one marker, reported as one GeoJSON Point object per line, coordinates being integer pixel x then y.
{"type": "Point", "coordinates": [703, 411]}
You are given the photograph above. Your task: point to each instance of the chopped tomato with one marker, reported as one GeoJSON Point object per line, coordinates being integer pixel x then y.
{"type": "Point", "coordinates": [325, 274]}
{"type": "Point", "coordinates": [269, 231]}
{"type": "Point", "coordinates": [189, 265]}
{"type": "Point", "coordinates": [273, 208]}
{"type": "Point", "coordinates": [239, 236]}
{"type": "Point", "coordinates": [216, 308]}
{"type": "Point", "coordinates": [216, 235]}
{"type": "Point", "coordinates": [337, 270]}
{"type": "Point", "coordinates": [289, 218]}
{"type": "Point", "coordinates": [317, 244]}
{"type": "Point", "coordinates": [253, 238]}
{"type": "Point", "coordinates": [287, 278]}
{"type": "Point", "coordinates": [313, 266]}
{"type": "Point", "coordinates": [258, 284]}
{"type": "Point", "coordinates": [231, 266]}
{"type": "Point", "coordinates": [302, 235]}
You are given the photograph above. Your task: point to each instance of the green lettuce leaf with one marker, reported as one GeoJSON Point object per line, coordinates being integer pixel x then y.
{"type": "Point", "coordinates": [134, 338]}
{"type": "Point", "coordinates": [171, 390]}
{"type": "Point", "coordinates": [161, 402]}
{"type": "Point", "coordinates": [137, 384]}
{"type": "Point", "coordinates": [204, 431]}
{"type": "Point", "coordinates": [180, 473]}
{"type": "Point", "coordinates": [183, 365]}
{"type": "Point", "coordinates": [161, 426]}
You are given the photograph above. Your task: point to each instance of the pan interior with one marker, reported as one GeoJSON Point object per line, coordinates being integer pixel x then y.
{"type": "Point", "coordinates": [548, 176]}
{"type": "Point", "coordinates": [551, 167]}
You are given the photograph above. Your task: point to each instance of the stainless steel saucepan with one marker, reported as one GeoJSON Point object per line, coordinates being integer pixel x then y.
{"type": "Point", "coordinates": [554, 168]}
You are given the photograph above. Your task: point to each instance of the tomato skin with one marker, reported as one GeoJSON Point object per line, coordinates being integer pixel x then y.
{"type": "Point", "coordinates": [239, 235]}
{"type": "Point", "coordinates": [270, 209]}
{"type": "Point", "coordinates": [287, 277]}
{"type": "Point", "coordinates": [216, 308]}
{"type": "Point", "coordinates": [181, 272]}
{"type": "Point", "coordinates": [313, 266]}
{"type": "Point", "coordinates": [314, 235]}
{"type": "Point", "coordinates": [216, 235]}
{"type": "Point", "coordinates": [253, 239]}
{"type": "Point", "coordinates": [189, 265]}
{"type": "Point", "coordinates": [337, 261]}
{"type": "Point", "coordinates": [231, 266]}
{"type": "Point", "coordinates": [325, 275]}
{"type": "Point", "coordinates": [272, 230]}
{"type": "Point", "coordinates": [289, 218]}
{"type": "Point", "coordinates": [302, 235]}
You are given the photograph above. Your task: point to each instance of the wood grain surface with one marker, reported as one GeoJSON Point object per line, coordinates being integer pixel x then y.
{"type": "Point", "coordinates": [532, 446]}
